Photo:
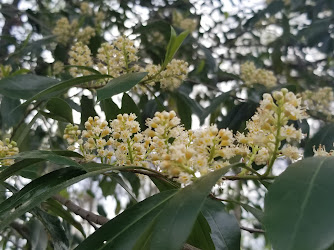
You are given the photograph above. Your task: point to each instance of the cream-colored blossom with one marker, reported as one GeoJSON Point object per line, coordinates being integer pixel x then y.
{"type": "Point", "coordinates": [8, 148]}
{"type": "Point", "coordinates": [189, 24]}
{"type": "Point", "coordinates": [63, 31]}
{"type": "Point", "coordinates": [80, 55]}
{"type": "Point", "coordinates": [291, 152]}
{"type": "Point", "coordinates": [321, 151]}
{"type": "Point", "coordinates": [85, 9]}
{"type": "Point", "coordinates": [84, 35]}
{"type": "Point", "coordinates": [251, 75]}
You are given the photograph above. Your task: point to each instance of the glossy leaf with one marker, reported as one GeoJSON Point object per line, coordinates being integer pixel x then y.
{"type": "Point", "coordinates": [52, 156]}
{"type": "Point", "coordinates": [225, 231]}
{"type": "Point", "coordinates": [52, 206]}
{"type": "Point", "coordinates": [300, 199]}
{"type": "Point", "coordinates": [25, 86]}
{"type": "Point", "coordinates": [122, 183]}
{"type": "Point", "coordinates": [60, 108]}
{"type": "Point", "coordinates": [54, 228]}
{"type": "Point", "coordinates": [16, 167]}
{"type": "Point", "coordinates": [110, 109]}
{"type": "Point", "coordinates": [179, 215]}
{"type": "Point", "coordinates": [173, 45]}
{"type": "Point", "coordinates": [119, 85]}
{"type": "Point", "coordinates": [123, 231]}
{"type": "Point", "coordinates": [41, 189]}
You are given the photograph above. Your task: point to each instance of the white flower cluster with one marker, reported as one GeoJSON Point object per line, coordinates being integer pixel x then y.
{"type": "Point", "coordinates": [120, 58]}
{"type": "Point", "coordinates": [184, 154]}
{"type": "Point", "coordinates": [7, 148]}
{"type": "Point", "coordinates": [251, 75]}
{"type": "Point", "coordinates": [67, 31]}
{"type": "Point", "coordinates": [319, 100]}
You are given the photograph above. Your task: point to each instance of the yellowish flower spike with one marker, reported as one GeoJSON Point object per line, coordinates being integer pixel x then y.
{"type": "Point", "coordinates": [119, 58]}
{"type": "Point", "coordinates": [7, 148]}
{"type": "Point", "coordinates": [251, 75]}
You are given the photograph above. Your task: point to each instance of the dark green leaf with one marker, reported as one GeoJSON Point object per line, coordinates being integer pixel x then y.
{"type": "Point", "coordinates": [96, 72]}
{"type": "Point", "coordinates": [110, 109]}
{"type": "Point", "coordinates": [225, 231]}
{"type": "Point", "coordinates": [200, 234]}
{"type": "Point", "coordinates": [119, 85]}
{"type": "Point", "coordinates": [8, 119]}
{"type": "Point", "coordinates": [25, 86]}
{"type": "Point", "coordinates": [11, 170]}
{"type": "Point", "coordinates": [121, 182]}
{"type": "Point", "coordinates": [179, 215]}
{"type": "Point", "coordinates": [164, 184]}
{"type": "Point", "coordinates": [38, 238]}
{"type": "Point", "coordinates": [56, 231]}
{"type": "Point", "coordinates": [300, 199]}
{"type": "Point", "coordinates": [184, 111]}
{"type": "Point", "coordinates": [61, 108]}
{"type": "Point", "coordinates": [52, 156]}
{"type": "Point", "coordinates": [41, 189]}
{"type": "Point", "coordinates": [56, 208]}
{"type": "Point", "coordinates": [87, 109]}
{"type": "Point", "coordinates": [123, 231]}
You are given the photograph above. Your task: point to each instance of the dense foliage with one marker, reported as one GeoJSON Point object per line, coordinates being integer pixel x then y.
{"type": "Point", "coordinates": [166, 124]}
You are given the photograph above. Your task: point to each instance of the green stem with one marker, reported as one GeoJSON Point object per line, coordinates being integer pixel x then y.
{"type": "Point", "coordinates": [130, 150]}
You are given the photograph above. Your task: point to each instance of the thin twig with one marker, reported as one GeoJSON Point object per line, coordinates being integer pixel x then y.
{"type": "Point", "coordinates": [252, 230]}
{"type": "Point", "coordinates": [87, 215]}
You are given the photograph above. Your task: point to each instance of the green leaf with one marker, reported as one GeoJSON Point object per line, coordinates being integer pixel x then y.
{"type": "Point", "coordinates": [200, 234]}
{"type": "Point", "coordinates": [119, 85]}
{"type": "Point", "coordinates": [38, 238]}
{"type": "Point", "coordinates": [121, 182]}
{"type": "Point", "coordinates": [52, 156]}
{"type": "Point", "coordinates": [64, 85]}
{"type": "Point", "coordinates": [60, 108]}
{"type": "Point", "coordinates": [325, 137]}
{"type": "Point", "coordinates": [56, 231]}
{"type": "Point", "coordinates": [41, 189]}
{"type": "Point", "coordinates": [96, 72]}
{"type": "Point", "coordinates": [299, 206]}
{"type": "Point", "coordinates": [184, 111]}
{"type": "Point", "coordinates": [216, 102]}
{"type": "Point", "coordinates": [164, 184]}
{"type": "Point", "coordinates": [173, 45]}
{"type": "Point", "coordinates": [7, 119]}
{"type": "Point", "coordinates": [11, 170]}
{"type": "Point", "coordinates": [225, 230]}
{"type": "Point", "coordinates": [123, 231]}
{"type": "Point", "coordinates": [134, 181]}
{"type": "Point", "coordinates": [110, 109]}
{"type": "Point", "coordinates": [56, 208]}
{"type": "Point", "coordinates": [25, 86]}
{"type": "Point", "coordinates": [87, 109]}
{"type": "Point", "coordinates": [179, 215]}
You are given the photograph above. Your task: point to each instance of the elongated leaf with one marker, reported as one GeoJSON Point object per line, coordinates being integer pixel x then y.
{"type": "Point", "coordinates": [52, 156]}
{"type": "Point", "coordinates": [7, 105]}
{"type": "Point", "coordinates": [110, 109]}
{"type": "Point", "coordinates": [65, 85]}
{"type": "Point", "coordinates": [299, 206]}
{"type": "Point", "coordinates": [216, 102]}
{"type": "Point", "coordinates": [61, 108]}
{"type": "Point", "coordinates": [96, 72]}
{"type": "Point", "coordinates": [41, 189]}
{"type": "Point", "coordinates": [173, 45]}
{"type": "Point", "coordinates": [164, 184]}
{"type": "Point", "coordinates": [178, 216]}
{"type": "Point", "coordinates": [119, 85]}
{"type": "Point", "coordinates": [56, 208]}
{"type": "Point", "coordinates": [25, 86]}
{"type": "Point", "coordinates": [225, 231]}
{"type": "Point", "coordinates": [184, 111]}
{"type": "Point", "coordinates": [258, 214]}
{"type": "Point", "coordinates": [37, 235]}
{"type": "Point", "coordinates": [123, 231]}
{"type": "Point", "coordinates": [11, 170]}
{"type": "Point", "coordinates": [122, 183]}
{"type": "Point", "coordinates": [56, 231]}
{"type": "Point", "coordinates": [200, 234]}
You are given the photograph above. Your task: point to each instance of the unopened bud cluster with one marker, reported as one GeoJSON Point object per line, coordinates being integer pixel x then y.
{"type": "Point", "coordinates": [186, 154]}
{"type": "Point", "coordinates": [251, 75]}
{"type": "Point", "coordinates": [5, 70]}
{"type": "Point", "coordinates": [120, 58]}
{"type": "Point", "coordinates": [7, 148]}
